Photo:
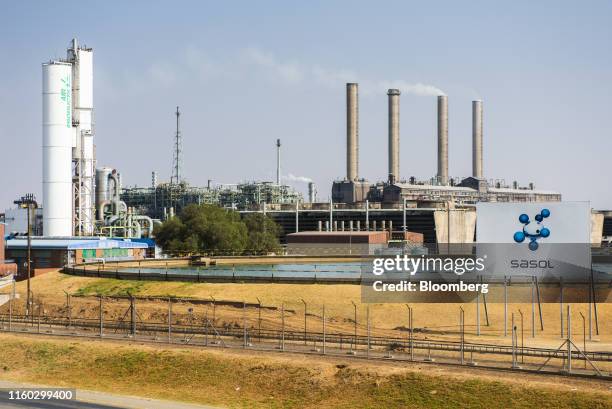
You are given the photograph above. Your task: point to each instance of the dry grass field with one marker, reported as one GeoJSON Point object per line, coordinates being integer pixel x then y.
{"type": "Point", "coordinates": [440, 320]}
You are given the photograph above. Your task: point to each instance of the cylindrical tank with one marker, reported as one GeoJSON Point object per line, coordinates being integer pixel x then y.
{"type": "Point", "coordinates": [394, 138]}
{"type": "Point", "coordinates": [443, 139]}
{"type": "Point", "coordinates": [311, 192]}
{"type": "Point", "coordinates": [57, 149]}
{"type": "Point", "coordinates": [477, 159]}
{"type": "Point", "coordinates": [352, 131]}
{"type": "Point", "coordinates": [102, 187]}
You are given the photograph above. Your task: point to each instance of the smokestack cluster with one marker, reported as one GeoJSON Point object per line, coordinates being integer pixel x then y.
{"type": "Point", "coordinates": [352, 136]}
{"type": "Point", "coordinates": [352, 131]}
{"type": "Point", "coordinates": [443, 139]}
{"type": "Point", "coordinates": [477, 159]}
{"type": "Point", "coordinates": [394, 137]}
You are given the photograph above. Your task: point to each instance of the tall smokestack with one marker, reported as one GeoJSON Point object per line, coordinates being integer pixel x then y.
{"type": "Point", "coordinates": [352, 131]}
{"type": "Point", "coordinates": [477, 168]}
{"type": "Point", "coordinates": [394, 137]}
{"type": "Point", "coordinates": [443, 139]}
{"type": "Point", "coordinates": [278, 168]}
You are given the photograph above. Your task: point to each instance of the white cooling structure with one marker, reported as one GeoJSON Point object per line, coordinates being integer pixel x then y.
{"type": "Point", "coordinates": [68, 145]}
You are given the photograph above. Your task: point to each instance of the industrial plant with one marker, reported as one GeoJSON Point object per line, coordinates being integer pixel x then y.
{"type": "Point", "coordinates": [86, 200]}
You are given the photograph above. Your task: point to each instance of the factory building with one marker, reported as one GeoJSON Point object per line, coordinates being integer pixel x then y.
{"type": "Point", "coordinates": [7, 267]}
{"type": "Point", "coordinates": [49, 254]}
{"type": "Point", "coordinates": [337, 243]}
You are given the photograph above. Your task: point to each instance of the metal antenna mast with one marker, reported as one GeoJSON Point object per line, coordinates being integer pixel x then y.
{"type": "Point", "coordinates": [176, 164]}
{"type": "Point", "coordinates": [278, 162]}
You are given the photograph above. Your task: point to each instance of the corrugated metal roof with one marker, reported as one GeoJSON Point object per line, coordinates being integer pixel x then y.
{"type": "Point", "coordinates": [434, 187]}
{"type": "Point", "coordinates": [73, 244]}
{"type": "Point", "coordinates": [522, 191]}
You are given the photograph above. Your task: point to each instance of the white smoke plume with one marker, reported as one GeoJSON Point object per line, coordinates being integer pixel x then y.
{"type": "Point", "coordinates": [301, 179]}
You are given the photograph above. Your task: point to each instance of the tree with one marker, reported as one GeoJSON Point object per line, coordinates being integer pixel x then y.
{"type": "Point", "coordinates": [213, 230]}
{"type": "Point", "coordinates": [263, 234]}
{"type": "Point", "coordinates": [203, 228]}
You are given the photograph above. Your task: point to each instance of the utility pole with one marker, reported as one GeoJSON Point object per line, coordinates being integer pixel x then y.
{"type": "Point", "coordinates": [28, 202]}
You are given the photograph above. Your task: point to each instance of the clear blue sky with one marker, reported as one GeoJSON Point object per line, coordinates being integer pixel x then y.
{"type": "Point", "coordinates": [246, 73]}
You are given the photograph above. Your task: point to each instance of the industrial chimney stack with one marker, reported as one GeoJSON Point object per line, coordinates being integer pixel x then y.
{"type": "Point", "coordinates": [352, 131]}
{"type": "Point", "coordinates": [394, 137]}
{"type": "Point", "coordinates": [443, 139]}
{"type": "Point", "coordinates": [477, 160]}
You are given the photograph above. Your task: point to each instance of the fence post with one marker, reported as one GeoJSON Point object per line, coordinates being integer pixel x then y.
{"type": "Point", "coordinates": [69, 310]}
{"type": "Point", "coordinates": [368, 327]}
{"type": "Point", "coordinates": [513, 345]}
{"type": "Point", "coordinates": [244, 328]}
{"type": "Point", "coordinates": [561, 304]}
{"type": "Point", "coordinates": [282, 326]}
{"type": "Point", "coordinates": [532, 307]}
{"type": "Point", "coordinates": [569, 339]}
{"type": "Point", "coordinates": [305, 313]}
{"type": "Point", "coordinates": [169, 320]}
{"type": "Point", "coordinates": [354, 343]}
{"type": "Point", "coordinates": [411, 336]}
{"type": "Point", "coordinates": [461, 318]}
{"type": "Point", "coordinates": [10, 314]}
{"type": "Point", "coordinates": [477, 313]}
{"type": "Point", "coordinates": [133, 316]}
{"type": "Point", "coordinates": [259, 319]}
{"type": "Point", "coordinates": [505, 306]}
{"type": "Point", "coordinates": [206, 328]}
{"type": "Point", "coordinates": [101, 317]}
{"type": "Point", "coordinates": [324, 329]}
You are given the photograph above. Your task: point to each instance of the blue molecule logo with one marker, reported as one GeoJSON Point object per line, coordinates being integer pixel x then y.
{"type": "Point", "coordinates": [533, 230]}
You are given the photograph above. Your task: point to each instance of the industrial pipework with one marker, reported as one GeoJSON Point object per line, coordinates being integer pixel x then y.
{"type": "Point", "coordinates": [114, 217]}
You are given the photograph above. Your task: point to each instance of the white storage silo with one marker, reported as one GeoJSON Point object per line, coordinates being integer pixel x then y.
{"type": "Point", "coordinates": [57, 149]}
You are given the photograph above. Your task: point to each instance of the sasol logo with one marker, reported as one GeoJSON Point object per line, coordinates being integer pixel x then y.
{"type": "Point", "coordinates": [533, 230]}
{"type": "Point", "coordinates": [531, 264]}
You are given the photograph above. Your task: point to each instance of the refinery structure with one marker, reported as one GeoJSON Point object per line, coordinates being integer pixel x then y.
{"type": "Point", "coordinates": [82, 198]}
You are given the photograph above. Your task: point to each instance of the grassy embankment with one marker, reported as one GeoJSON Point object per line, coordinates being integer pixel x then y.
{"type": "Point", "coordinates": [266, 381]}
